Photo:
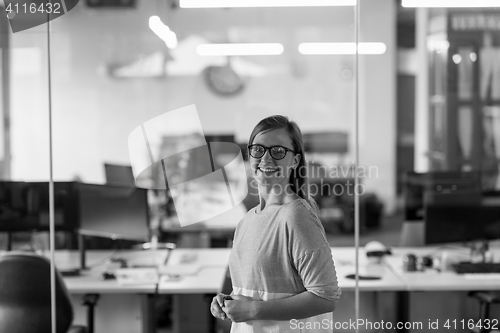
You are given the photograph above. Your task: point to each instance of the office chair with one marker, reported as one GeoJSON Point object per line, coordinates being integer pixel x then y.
{"type": "Point", "coordinates": [25, 296]}
{"type": "Point", "coordinates": [485, 299]}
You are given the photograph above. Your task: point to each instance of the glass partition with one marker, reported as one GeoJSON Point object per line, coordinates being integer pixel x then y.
{"type": "Point", "coordinates": [448, 160]}
{"type": "Point", "coordinates": [152, 108]}
{"type": "Point", "coordinates": [25, 138]}
{"type": "Point", "coordinates": [120, 73]}
{"type": "Point", "coordinates": [131, 93]}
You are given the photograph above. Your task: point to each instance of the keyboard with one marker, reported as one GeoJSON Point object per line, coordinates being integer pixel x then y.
{"type": "Point", "coordinates": [466, 267]}
{"type": "Point", "coordinates": [482, 276]}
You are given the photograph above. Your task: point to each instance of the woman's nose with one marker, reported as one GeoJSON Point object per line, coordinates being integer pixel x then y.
{"type": "Point", "coordinates": [267, 156]}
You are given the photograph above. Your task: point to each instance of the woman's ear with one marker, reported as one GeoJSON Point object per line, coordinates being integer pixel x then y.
{"type": "Point", "coordinates": [296, 160]}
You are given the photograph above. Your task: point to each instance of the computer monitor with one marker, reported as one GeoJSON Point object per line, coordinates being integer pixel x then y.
{"type": "Point", "coordinates": [108, 211]}
{"type": "Point", "coordinates": [417, 184]}
{"type": "Point", "coordinates": [461, 223]}
{"type": "Point", "coordinates": [24, 207]}
{"type": "Point", "coordinates": [113, 212]}
{"type": "Point", "coordinates": [98, 210]}
{"type": "Point", "coordinates": [326, 142]}
{"type": "Point", "coordinates": [119, 175]}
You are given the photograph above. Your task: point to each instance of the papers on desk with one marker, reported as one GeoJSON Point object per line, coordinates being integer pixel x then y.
{"type": "Point", "coordinates": [131, 276]}
{"type": "Point", "coordinates": [172, 273]}
{"type": "Point", "coordinates": [134, 276]}
{"type": "Point", "coordinates": [180, 270]}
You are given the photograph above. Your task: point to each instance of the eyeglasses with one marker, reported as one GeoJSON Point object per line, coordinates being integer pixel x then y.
{"type": "Point", "coordinates": [277, 152]}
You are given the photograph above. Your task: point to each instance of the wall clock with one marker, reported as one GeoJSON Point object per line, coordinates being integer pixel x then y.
{"type": "Point", "coordinates": [223, 80]}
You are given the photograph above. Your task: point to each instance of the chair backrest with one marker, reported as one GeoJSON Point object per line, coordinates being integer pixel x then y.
{"type": "Point", "coordinates": [25, 295]}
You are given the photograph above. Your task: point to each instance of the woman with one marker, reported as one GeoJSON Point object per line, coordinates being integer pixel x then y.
{"type": "Point", "coordinates": [281, 265]}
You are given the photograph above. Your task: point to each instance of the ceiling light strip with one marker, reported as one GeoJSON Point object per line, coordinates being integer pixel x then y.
{"type": "Point", "coordinates": [263, 3]}
{"type": "Point", "coordinates": [450, 3]}
{"type": "Point", "coordinates": [163, 32]}
{"type": "Point", "coordinates": [247, 49]}
{"type": "Point", "coordinates": [341, 48]}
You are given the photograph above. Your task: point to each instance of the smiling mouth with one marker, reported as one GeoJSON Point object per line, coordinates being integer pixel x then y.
{"type": "Point", "coordinates": [268, 170]}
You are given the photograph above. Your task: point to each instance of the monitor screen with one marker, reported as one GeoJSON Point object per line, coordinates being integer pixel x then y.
{"type": "Point", "coordinates": [326, 142]}
{"type": "Point", "coordinates": [455, 224]}
{"type": "Point", "coordinates": [24, 206]}
{"type": "Point", "coordinates": [113, 212]}
{"type": "Point", "coordinates": [120, 175]}
{"type": "Point", "coordinates": [417, 184]}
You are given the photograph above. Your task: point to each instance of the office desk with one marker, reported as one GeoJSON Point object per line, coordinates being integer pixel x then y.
{"type": "Point", "coordinates": [409, 286]}
{"type": "Point", "coordinates": [344, 258]}
{"type": "Point", "coordinates": [378, 298]}
{"type": "Point", "coordinates": [88, 281]}
{"type": "Point", "coordinates": [120, 308]}
{"type": "Point", "coordinates": [130, 308]}
{"type": "Point", "coordinates": [193, 292]}
{"type": "Point", "coordinates": [209, 277]}
{"type": "Point", "coordinates": [210, 267]}
{"type": "Point", "coordinates": [431, 280]}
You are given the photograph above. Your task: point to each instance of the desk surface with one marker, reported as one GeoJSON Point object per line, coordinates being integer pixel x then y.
{"type": "Point", "coordinates": [208, 267]}
{"type": "Point", "coordinates": [344, 259]}
{"type": "Point", "coordinates": [88, 281]}
{"type": "Point", "coordinates": [213, 265]}
{"type": "Point", "coordinates": [204, 271]}
{"type": "Point", "coordinates": [396, 279]}
{"type": "Point", "coordinates": [207, 278]}
{"type": "Point", "coordinates": [433, 280]}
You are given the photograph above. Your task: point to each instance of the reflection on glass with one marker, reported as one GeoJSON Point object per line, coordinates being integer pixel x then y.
{"type": "Point", "coordinates": [170, 152]}
{"type": "Point", "coordinates": [465, 132]}
{"type": "Point", "coordinates": [465, 72]}
{"type": "Point", "coordinates": [489, 56]}
{"type": "Point", "coordinates": [111, 74]}
{"type": "Point", "coordinates": [491, 147]}
{"type": "Point", "coordinates": [438, 55]}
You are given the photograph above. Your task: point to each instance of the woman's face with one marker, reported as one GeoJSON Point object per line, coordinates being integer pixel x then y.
{"type": "Point", "coordinates": [268, 171]}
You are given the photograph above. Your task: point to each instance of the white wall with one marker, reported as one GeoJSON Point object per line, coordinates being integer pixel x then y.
{"type": "Point", "coordinates": [378, 100]}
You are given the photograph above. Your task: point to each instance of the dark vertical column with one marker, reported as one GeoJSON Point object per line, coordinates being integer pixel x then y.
{"type": "Point", "coordinates": [405, 131]}
{"type": "Point", "coordinates": [403, 306]}
{"type": "Point", "coordinates": [82, 248]}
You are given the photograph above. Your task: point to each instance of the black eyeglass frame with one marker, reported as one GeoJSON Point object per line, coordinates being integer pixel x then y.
{"type": "Point", "coordinates": [249, 147]}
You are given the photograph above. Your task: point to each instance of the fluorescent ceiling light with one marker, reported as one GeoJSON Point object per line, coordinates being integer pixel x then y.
{"type": "Point", "coordinates": [248, 49]}
{"type": "Point", "coordinates": [163, 31]}
{"type": "Point", "coordinates": [438, 45]}
{"type": "Point", "coordinates": [451, 3]}
{"type": "Point", "coordinates": [341, 48]}
{"type": "Point", "coordinates": [263, 3]}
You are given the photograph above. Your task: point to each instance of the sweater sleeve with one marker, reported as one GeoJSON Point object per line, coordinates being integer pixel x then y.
{"type": "Point", "coordinates": [310, 252]}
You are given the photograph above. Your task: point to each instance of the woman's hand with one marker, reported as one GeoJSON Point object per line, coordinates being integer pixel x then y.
{"type": "Point", "coordinates": [240, 308]}
{"type": "Point", "coordinates": [216, 306]}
